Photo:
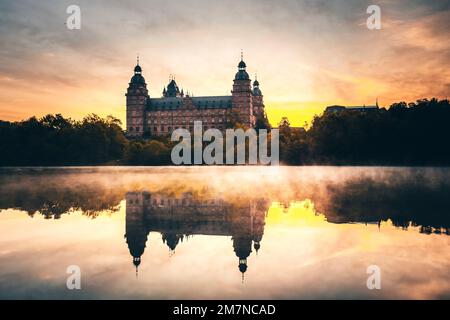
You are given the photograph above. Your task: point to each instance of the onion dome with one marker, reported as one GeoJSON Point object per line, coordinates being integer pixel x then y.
{"type": "Point", "coordinates": [136, 237]}
{"type": "Point", "coordinates": [137, 261]}
{"type": "Point", "coordinates": [137, 79]}
{"type": "Point", "coordinates": [242, 267]}
{"type": "Point", "coordinates": [242, 247]}
{"type": "Point", "coordinates": [242, 74]}
{"type": "Point", "coordinates": [256, 90]}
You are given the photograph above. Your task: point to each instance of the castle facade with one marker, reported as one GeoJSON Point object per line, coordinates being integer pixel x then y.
{"type": "Point", "coordinates": [179, 217]}
{"type": "Point", "coordinates": [148, 116]}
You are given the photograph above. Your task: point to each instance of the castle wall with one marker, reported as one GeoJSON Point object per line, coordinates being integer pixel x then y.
{"type": "Point", "coordinates": [163, 122]}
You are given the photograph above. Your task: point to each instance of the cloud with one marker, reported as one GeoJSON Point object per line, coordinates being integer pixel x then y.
{"type": "Point", "coordinates": [304, 51]}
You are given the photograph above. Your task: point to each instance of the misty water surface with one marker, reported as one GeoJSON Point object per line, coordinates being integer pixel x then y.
{"type": "Point", "coordinates": [224, 232]}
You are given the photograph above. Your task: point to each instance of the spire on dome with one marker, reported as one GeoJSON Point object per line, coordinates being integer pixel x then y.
{"type": "Point", "coordinates": [242, 65]}
{"type": "Point", "coordinates": [137, 69]}
{"type": "Point", "coordinates": [137, 79]}
{"type": "Point", "coordinates": [137, 262]}
{"type": "Point", "coordinates": [256, 90]}
{"type": "Point", "coordinates": [257, 245]}
{"type": "Point", "coordinates": [256, 82]}
{"type": "Point", "coordinates": [243, 267]}
{"type": "Point", "coordinates": [242, 74]}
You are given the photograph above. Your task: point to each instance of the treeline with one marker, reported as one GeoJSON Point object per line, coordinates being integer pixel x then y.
{"type": "Point", "coordinates": [405, 134]}
{"type": "Point", "coordinates": [54, 140]}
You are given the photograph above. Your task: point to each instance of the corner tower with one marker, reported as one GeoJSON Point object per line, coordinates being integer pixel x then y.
{"type": "Point", "coordinates": [257, 99]}
{"type": "Point", "coordinates": [137, 95]}
{"type": "Point", "coordinates": [135, 229]}
{"type": "Point", "coordinates": [242, 95]}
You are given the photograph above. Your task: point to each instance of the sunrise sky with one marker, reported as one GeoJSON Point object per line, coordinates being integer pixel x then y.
{"type": "Point", "coordinates": [307, 53]}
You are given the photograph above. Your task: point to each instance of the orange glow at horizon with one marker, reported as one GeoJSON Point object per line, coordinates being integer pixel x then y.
{"type": "Point", "coordinates": [306, 56]}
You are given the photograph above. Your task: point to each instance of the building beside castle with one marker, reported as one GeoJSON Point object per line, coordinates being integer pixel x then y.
{"type": "Point", "coordinates": [362, 109]}
{"type": "Point", "coordinates": [176, 109]}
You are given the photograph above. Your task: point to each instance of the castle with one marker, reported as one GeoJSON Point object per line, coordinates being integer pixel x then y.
{"type": "Point", "coordinates": [160, 116]}
{"type": "Point", "coordinates": [178, 217]}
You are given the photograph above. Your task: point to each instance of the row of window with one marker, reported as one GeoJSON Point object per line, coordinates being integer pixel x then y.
{"type": "Point", "coordinates": [187, 113]}
{"type": "Point", "coordinates": [198, 104]}
{"type": "Point", "coordinates": [168, 129]}
{"type": "Point", "coordinates": [176, 202]}
{"type": "Point", "coordinates": [134, 121]}
{"type": "Point", "coordinates": [190, 120]}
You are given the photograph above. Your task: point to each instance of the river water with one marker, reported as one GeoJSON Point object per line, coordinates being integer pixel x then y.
{"type": "Point", "coordinates": [225, 232]}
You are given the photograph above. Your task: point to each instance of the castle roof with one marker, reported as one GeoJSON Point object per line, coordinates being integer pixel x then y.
{"type": "Point", "coordinates": [170, 103]}
{"type": "Point", "coordinates": [172, 89]}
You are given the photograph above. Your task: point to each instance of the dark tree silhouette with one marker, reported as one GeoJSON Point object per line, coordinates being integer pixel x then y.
{"type": "Point", "coordinates": [405, 134]}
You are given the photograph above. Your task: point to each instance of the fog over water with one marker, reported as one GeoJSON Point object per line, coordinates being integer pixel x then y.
{"type": "Point", "coordinates": [224, 232]}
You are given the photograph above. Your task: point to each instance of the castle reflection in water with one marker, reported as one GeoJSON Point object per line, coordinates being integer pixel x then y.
{"type": "Point", "coordinates": [177, 217]}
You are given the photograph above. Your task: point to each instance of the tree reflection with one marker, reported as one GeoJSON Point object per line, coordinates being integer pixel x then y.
{"type": "Point", "coordinates": [179, 204]}
{"type": "Point", "coordinates": [53, 196]}
{"type": "Point", "coordinates": [421, 201]}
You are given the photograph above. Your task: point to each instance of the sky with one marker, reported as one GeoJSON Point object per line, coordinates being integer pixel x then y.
{"type": "Point", "coordinates": [308, 54]}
